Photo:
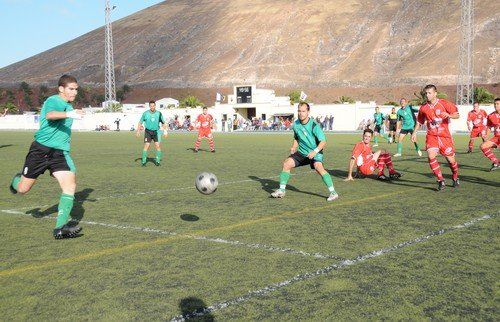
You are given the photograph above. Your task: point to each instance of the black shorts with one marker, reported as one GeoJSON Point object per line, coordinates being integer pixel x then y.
{"type": "Point", "coordinates": [41, 158]}
{"type": "Point", "coordinates": [301, 160]}
{"type": "Point", "coordinates": [150, 135]}
{"type": "Point", "coordinates": [377, 129]}
{"type": "Point", "coordinates": [392, 127]}
{"type": "Point", "coordinates": [406, 132]}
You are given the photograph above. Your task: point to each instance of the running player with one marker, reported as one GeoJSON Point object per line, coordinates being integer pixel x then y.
{"type": "Point", "coordinates": [494, 142]}
{"type": "Point", "coordinates": [392, 120]}
{"type": "Point", "coordinates": [151, 119]}
{"type": "Point", "coordinates": [205, 122]}
{"type": "Point", "coordinates": [366, 161]}
{"type": "Point", "coordinates": [406, 124]}
{"type": "Point", "coordinates": [307, 149]}
{"type": "Point", "coordinates": [476, 123]}
{"type": "Point", "coordinates": [50, 151]}
{"type": "Point", "coordinates": [378, 120]}
{"type": "Point", "coordinates": [437, 114]}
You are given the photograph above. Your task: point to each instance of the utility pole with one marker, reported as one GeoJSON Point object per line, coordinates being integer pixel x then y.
{"type": "Point", "coordinates": [465, 91]}
{"type": "Point", "coordinates": [109, 61]}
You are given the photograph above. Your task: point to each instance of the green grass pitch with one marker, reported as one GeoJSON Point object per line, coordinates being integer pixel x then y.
{"type": "Point", "coordinates": [153, 248]}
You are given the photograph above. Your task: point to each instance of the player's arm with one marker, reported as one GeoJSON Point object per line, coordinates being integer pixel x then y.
{"type": "Point", "coordinates": [320, 147]}
{"type": "Point", "coordinates": [139, 126]}
{"type": "Point", "coordinates": [57, 115]}
{"type": "Point", "coordinates": [451, 111]}
{"type": "Point", "coordinates": [294, 147]}
{"type": "Point", "coordinates": [351, 167]}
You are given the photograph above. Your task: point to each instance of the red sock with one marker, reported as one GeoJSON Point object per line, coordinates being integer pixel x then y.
{"type": "Point", "coordinates": [434, 164]}
{"type": "Point", "coordinates": [197, 144]}
{"type": "Point", "coordinates": [381, 165]}
{"type": "Point", "coordinates": [490, 155]}
{"type": "Point", "coordinates": [454, 170]}
{"type": "Point", "coordinates": [388, 163]}
{"type": "Point", "coordinates": [212, 144]}
{"type": "Point", "coordinates": [471, 144]}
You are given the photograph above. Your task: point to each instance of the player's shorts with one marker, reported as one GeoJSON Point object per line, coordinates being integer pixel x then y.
{"type": "Point", "coordinates": [478, 132]}
{"type": "Point", "coordinates": [368, 167]}
{"type": "Point", "coordinates": [403, 131]}
{"type": "Point", "coordinates": [495, 140]}
{"type": "Point", "coordinates": [392, 127]}
{"type": "Point", "coordinates": [377, 128]}
{"type": "Point", "coordinates": [150, 135]}
{"type": "Point", "coordinates": [446, 146]}
{"type": "Point", "coordinates": [301, 160]}
{"type": "Point", "coordinates": [205, 133]}
{"type": "Point", "coordinates": [41, 158]}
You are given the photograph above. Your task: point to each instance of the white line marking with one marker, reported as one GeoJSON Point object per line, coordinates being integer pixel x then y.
{"type": "Point", "coordinates": [268, 248]}
{"type": "Point", "coordinates": [322, 271]}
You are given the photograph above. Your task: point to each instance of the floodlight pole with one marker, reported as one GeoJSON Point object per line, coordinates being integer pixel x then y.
{"type": "Point", "coordinates": [109, 62]}
{"type": "Point", "coordinates": [465, 91]}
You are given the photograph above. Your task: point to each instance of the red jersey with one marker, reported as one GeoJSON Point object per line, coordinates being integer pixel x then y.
{"type": "Point", "coordinates": [205, 121]}
{"type": "Point", "coordinates": [431, 114]}
{"type": "Point", "coordinates": [494, 122]}
{"type": "Point", "coordinates": [477, 119]}
{"type": "Point", "coordinates": [362, 153]}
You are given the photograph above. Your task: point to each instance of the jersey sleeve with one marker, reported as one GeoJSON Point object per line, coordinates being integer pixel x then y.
{"type": "Point", "coordinates": [421, 116]}
{"type": "Point", "coordinates": [356, 151]}
{"type": "Point", "coordinates": [161, 119]}
{"type": "Point", "coordinates": [450, 107]}
{"type": "Point", "coordinates": [51, 105]}
{"type": "Point", "coordinates": [469, 117]}
{"type": "Point", "coordinates": [489, 122]}
{"type": "Point", "coordinates": [143, 118]}
{"type": "Point", "coordinates": [318, 133]}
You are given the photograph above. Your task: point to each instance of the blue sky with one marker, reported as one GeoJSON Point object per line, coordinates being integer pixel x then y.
{"type": "Point", "coordinates": [29, 27]}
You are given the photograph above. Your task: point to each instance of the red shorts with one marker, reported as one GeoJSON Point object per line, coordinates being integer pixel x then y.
{"type": "Point", "coordinates": [205, 133]}
{"type": "Point", "coordinates": [446, 146]}
{"type": "Point", "coordinates": [495, 140]}
{"type": "Point", "coordinates": [368, 168]}
{"type": "Point", "coordinates": [478, 132]}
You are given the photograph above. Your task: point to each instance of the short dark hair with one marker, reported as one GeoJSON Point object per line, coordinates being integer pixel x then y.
{"type": "Point", "coordinates": [368, 131]}
{"type": "Point", "coordinates": [152, 102]}
{"type": "Point", "coordinates": [65, 80]}
{"type": "Point", "coordinates": [497, 99]}
{"type": "Point", "coordinates": [475, 103]}
{"type": "Point", "coordinates": [429, 86]}
{"type": "Point", "coordinates": [205, 108]}
{"type": "Point", "coordinates": [306, 104]}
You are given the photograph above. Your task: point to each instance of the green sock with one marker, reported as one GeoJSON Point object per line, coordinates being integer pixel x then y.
{"type": "Point", "coordinates": [400, 147]}
{"type": "Point", "coordinates": [158, 156]}
{"type": "Point", "coordinates": [144, 156]}
{"type": "Point", "coordinates": [284, 177]}
{"type": "Point", "coordinates": [376, 139]}
{"type": "Point", "coordinates": [64, 209]}
{"type": "Point", "coordinates": [328, 181]}
{"type": "Point", "coordinates": [15, 181]}
{"type": "Point", "coordinates": [417, 148]}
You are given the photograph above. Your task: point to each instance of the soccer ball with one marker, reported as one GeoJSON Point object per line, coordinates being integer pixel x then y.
{"type": "Point", "coordinates": [206, 183]}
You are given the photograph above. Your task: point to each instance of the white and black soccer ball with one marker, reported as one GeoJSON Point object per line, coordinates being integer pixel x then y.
{"type": "Point", "coordinates": [206, 183]}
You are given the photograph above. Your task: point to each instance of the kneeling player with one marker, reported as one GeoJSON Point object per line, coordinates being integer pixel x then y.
{"type": "Point", "coordinates": [494, 142]}
{"type": "Point", "coordinates": [307, 149]}
{"type": "Point", "coordinates": [367, 161]}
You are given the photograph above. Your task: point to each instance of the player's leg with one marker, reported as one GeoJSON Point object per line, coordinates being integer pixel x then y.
{"type": "Point", "coordinates": [34, 165]}
{"type": "Point", "coordinates": [415, 143]}
{"type": "Point", "coordinates": [385, 160]}
{"type": "Point", "coordinates": [400, 145]}
{"type": "Point", "coordinates": [432, 152]}
{"type": "Point", "coordinates": [158, 153]}
{"type": "Point", "coordinates": [375, 139]}
{"type": "Point", "coordinates": [327, 179]}
{"type": "Point", "coordinates": [21, 184]}
{"type": "Point", "coordinates": [454, 169]}
{"type": "Point", "coordinates": [144, 156]}
{"type": "Point", "coordinates": [211, 142]}
{"type": "Point", "coordinates": [288, 165]}
{"type": "Point", "coordinates": [486, 148]}
{"type": "Point", "coordinates": [67, 182]}
{"type": "Point", "coordinates": [197, 144]}
{"type": "Point", "coordinates": [471, 141]}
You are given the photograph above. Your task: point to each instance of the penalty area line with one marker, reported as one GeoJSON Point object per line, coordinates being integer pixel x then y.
{"type": "Point", "coordinates": [325, 270]}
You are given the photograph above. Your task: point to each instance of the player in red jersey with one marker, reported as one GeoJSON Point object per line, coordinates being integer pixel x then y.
{"type": "Point", "coordinates": [367, 161]}
{"type": "Point", "coordinates": [476, 123]}
{"type": "Point", "coordinates": [494, 142]}
{"type": "Point", "coordinates": [436, 113]}
{"type": "Point", "coordinates": [205, 123]}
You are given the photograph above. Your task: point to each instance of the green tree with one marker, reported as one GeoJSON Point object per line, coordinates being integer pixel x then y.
{"type": "Point", "coordinates": [81, 98]}
{"type": "Point", "coordinates": [13, 109]}
{"type": "Point", "coordinates": [391, 103]}
{"type": "Point", "coordinates": [97, 99]}
{"type": "Point", "coordinates": [10, 96]}
{"type": "Point", "coordinates": [121, 94]}
{"type": "Point", "coordinates": [190, 101]}
{"type": "Point", "coordinates": [482, 95]}
{"type": "Point", "coordinates": [421, 99]}
{"type": "Point", "coordinates": [346, 99]}
{"type": "Point", "coordinates": [113, 108]}
{"type": "Point", "coordinates": [43, 94]}
{"type": "Point", "coordinates": [25, 87]}
{"type": "Point", "coordinates": [294, 97]}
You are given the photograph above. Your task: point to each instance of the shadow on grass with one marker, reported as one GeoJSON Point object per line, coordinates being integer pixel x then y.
{"type": "Point", "coordinates": [148, 160]}
{"type": "Point", "coordinates": [463, 178]}
{"type": "Point", "coordinates": [5, 145]}
{"type": "Point", "coordinates": [199, 150]}
{"type": "Point", "coordinates": [76, 213]}
{"type": "Point", "coordinates": [189, 217]}
{"type": "Point", "coordinates": [189, 306]}
{"type": "Point", "coordinates": [270, 185]}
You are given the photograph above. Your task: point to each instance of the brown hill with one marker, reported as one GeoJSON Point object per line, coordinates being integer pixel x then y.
{"type": "Point", "coordinates": [278, 43]}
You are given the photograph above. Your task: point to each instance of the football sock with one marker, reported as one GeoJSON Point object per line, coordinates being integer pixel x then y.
{"type": "Point", "coordinates": [15, 181]}
{"type": "Point", "coordinates": [487, 153]}
{"type": "Point", "coordinates": [434, 164]}
{"type": "Point", "coordinates": [327, 179]}
{"type": "Point", "coordinates": [284, 177]}
{"type": "Point", "coordinates": [400, 147]}
{"type": "Point", "coordinates": [417, 148]}
{"type": "Point", "coordinates": [64, 209]}
{"type": "Point", "coordinates": [158, 156]}
{"type": "Point", "coordinates": [144, 156]}
{"type": "Point", "coordinates": [454, 170]}
{"type": "Point", "coordinates": [376, 139]}
{"type": "Point", "coordinates": [471, 144]}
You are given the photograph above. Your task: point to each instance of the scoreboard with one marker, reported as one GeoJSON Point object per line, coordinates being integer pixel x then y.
{"type": "Point", "coordinates": [244, 94]}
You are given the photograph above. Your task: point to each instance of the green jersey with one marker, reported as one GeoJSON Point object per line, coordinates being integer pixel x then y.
{"type": "Point", "coordinates": [55, 133]}
{"type": "Point", "coordinates": [379, 118]}
{"type": "Point", "coordinates": [308, 136]}
{"type": "Point", "coordinates": [152, 120]}
{"type": "Point", "coordinates": [407, 117]}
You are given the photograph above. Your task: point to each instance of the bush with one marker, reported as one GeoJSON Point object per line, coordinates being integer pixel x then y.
{"type": "Point", "coordinates": [190, 101]}
{"type": "Point", "coordinates": [482, 95]}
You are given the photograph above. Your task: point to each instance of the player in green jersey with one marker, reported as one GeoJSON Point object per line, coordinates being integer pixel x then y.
{"type": "Point", "coordinates": [152, 119]}
{"type": "Point", "coordinates": [307, 149]}
{"type": "Point", "coordinates": [406, 124]}
{"type": "Point", "coordinates": [378, 120]}
{"type": "Point", "coordinates": [50, 151]}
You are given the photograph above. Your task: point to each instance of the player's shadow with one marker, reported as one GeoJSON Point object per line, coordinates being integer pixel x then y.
{"type": "Point", "coordinates": [341, 174]}
{"type": "Point", "coordinates": [189, 217]}
{"type": "Point", "coordinates": [5, 145]}
{"type": "Point", "coordinates": [463, 178]}
{"type": "Point", "coordinates": [199, 150]}
{"type": "Point", "coordinates": [148, 160]}
{"type": "Point", "coordinates": [460, 165]}
{"type": "Point", "coordinates": [193, 308]}
{"type": "Point", "coordinates": [270, 185]}
{"type": "Point", "coordinates": [77, 212]}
